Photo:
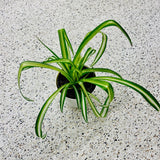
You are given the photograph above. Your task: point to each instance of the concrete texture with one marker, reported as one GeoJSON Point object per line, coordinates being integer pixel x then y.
{"type": "Point", "coordinates": [131, 131]}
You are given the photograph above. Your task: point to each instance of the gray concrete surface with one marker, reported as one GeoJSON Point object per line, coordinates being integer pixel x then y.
{"type": "Point", "coordinates": [131, 131]}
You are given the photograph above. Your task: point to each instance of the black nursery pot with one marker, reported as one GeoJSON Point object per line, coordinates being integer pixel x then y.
{"type": "Point", "coordinates": [61, 80]}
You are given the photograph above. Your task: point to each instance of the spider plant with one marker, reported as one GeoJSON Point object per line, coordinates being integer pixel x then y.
{"type": "Point", "coordinates": [75, 73]}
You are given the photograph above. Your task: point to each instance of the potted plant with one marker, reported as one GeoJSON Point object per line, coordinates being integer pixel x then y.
{"type": "Point", "coordinates": [75, 80]}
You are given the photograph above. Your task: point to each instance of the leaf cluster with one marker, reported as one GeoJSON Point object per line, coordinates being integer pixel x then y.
{"type": "Point", "coordinates": [73, 70]}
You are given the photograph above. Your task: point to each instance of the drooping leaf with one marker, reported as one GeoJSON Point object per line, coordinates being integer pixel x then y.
{"type": "Point", "coordinates": [106, 87]}
{"type": "Point", "coordinates": [83, 106]}
{"type": "Point", "coordinates": [88, 70]}
{"type": "Point", "coordinates": [105, 106]}
{"type": "Point", "coordinates": [78, 99]}
{"type": "Point", "coordinates": [86, 56]}
{"type": "Point", "coordinates": [30, 64]}
{"type": "Point", "coordinates": [144, 92]}
{"type": "Point", "coordinates": [39, 121]}
{"type": "Point", "coordinates": [101, 49]}
{"type": "Point", "coordinates": [97, 114]}
{"type": "Point", "coordinates": [94, 32]}
{"type": "Point", "coordinates": [95, 98]}
{"type": "Point", "coordinates": [59, 60]}
{"type": "Point", "coordinates": [63, 96]}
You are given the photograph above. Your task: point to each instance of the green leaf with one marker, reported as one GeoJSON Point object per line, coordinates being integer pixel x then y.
{"type": "Point", "coordinates": [83, 106]}
{"type": "Point", "coordinates": [69, 46]}
{"type": "Point", "coordinates": [145, 93]}
{"type": "Point", "coordinates": [39, 121]}
{"type": "Point", "coordinates": [84, 71]}
{"type": "Point", "coordinates": [63, 96]}
{"type": "Point", "coordinates": [54, 55]}
{"type": "Point", "coordinates": [64, 50]}
{"type": "Point", "coordinates": [50, 58]}
{"type": "Point", "coordinates": [97, 114]}
{"type": "Point", "coordinates": [105, 106]}
{"type": "Point", "coordinates": [75, 73]}
{"type": "Point", "coordinates": [30, 64]}
{"type": "Point", "coordinates": [86, 56]}
{"type": "Point", "coordinates": [101, 49]}
{"type": "Point", "coordinates": [94, 97]}
{"type": "Point", "coordinates": [59, 60]}
{"type": "Point", "coordinates": [106, 87]}
{"type": "Point", "coordinates": [63, 45]}
{"type": "Point", "coordinates": [78, 99]}
{"type": "Point", "coordinates": [94, 32]}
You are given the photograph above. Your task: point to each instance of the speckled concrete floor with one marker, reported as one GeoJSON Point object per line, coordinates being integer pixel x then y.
{"type": "Point", "coordinates": [131, 131]}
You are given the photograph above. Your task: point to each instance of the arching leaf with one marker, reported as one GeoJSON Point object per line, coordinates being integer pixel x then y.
{"type": "Point", "coordinates": [39, 121]}
{"type": "Point", "coordinates": [144, 92]}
